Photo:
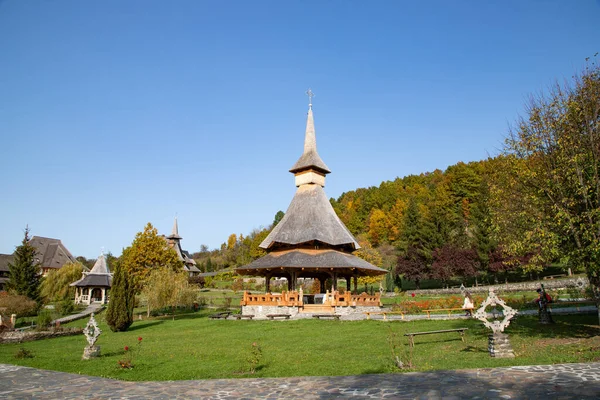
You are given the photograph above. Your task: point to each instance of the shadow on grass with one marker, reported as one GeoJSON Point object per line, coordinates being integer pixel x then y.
{"type": "Point", "coordinates": [112, 353]}
{"type": "Point", "coordinates": [144, 324]}
{"type": "Point", "coordinates": [564, 326]}
{"type": "Point", "coordinates": [474, 349]}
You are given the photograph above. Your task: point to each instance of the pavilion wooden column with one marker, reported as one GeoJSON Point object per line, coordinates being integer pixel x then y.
{"type": "Point", "coordinates": [268, 283]}
{"type": "Point", "coordinates": [355, 284]}
{"type": "Point", "coordinates": [348, 288]}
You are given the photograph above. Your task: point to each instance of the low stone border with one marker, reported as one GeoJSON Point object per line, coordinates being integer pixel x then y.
{"type": "Point", "coordinates": [20, 337]}
{"type": "Point", "coordinates": [509, 287]}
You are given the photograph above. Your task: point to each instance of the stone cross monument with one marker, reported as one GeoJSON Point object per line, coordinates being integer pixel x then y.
{"type": "Point", "coordinates": [498, 343]}
{"type": "Point", "coordinates": [91, 332]}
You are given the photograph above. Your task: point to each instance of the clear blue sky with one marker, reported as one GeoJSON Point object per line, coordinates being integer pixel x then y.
{"type": "Point", "coordinates": [118, 113]}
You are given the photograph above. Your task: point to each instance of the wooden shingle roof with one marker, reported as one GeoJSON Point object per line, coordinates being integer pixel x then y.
{"type": "Point", "coordinates": [310, 217]}
{"type": "Point", "coordinates": [311, 259]}
{"type": "Point", "coordinates": [310, 159]}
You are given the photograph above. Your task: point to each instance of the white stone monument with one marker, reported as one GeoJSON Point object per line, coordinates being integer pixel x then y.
{"type": "Point", "coordinates": [91, 332]}
{"type": "Point", "coordinates": [498, 343]}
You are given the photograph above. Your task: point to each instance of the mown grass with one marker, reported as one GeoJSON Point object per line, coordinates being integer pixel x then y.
{"type": "Point", "coordinates": [195, 347]}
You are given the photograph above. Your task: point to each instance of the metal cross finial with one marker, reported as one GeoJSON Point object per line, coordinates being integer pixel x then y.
{"type": "Point", "coordinates": [310, 95]}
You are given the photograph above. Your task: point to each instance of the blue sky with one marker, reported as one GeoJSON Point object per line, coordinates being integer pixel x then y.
{"type": "Point", "coordinates": [118, 113]}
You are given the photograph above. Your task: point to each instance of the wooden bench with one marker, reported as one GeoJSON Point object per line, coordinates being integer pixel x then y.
{"type": "Point", "coordinates": [319, 316]}
{"type": "Point", "coordinates": [449, 310]}
{"type": "Point", "coordinates": [273, 316]}
{"type": "Point", "coordinates": [384, 313]}
{"type": "Point", "coordinates": [411, 336]}
{"type": "Point", "coordinates": [243, 316]}
{"type": "Point", "coordinates": [221, 315]}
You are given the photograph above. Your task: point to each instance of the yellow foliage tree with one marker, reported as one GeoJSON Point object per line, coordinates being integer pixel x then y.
{"type": "Point", "coordinates": [379, 227]}
{"type": "Point", "coordinates": [148, 251]}
{"type": "Point", "coordinates": [231, 241]}
{"type": "Point", "coordinates": [371, 255]}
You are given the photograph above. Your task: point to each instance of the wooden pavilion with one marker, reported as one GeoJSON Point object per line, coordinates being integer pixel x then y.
{"type": "Point", "coordinates": [310, 242]}
{"type": "Point", "coordinates": [94, 286]}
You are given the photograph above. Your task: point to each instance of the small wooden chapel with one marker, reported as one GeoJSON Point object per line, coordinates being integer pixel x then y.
{"type": "Point", "coordinates": [310, 242]}
{"type": "Point", "coordinates": [94, 286]}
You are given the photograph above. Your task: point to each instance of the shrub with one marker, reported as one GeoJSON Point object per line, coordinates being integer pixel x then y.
{"type": "Point", "coordinates": [197, 281]}
{"type": "Point", "coordinates": [254, 357]}
{"type": "Point", "coordinates": [227, 302]}
{"type": "Point", "coordinates": [23, 353]}
{"type": "Point", "coordinates": [237, 285]}
{"type": "Point", "coordinates": [44, 319]}
{"type": "Point", "coordinates": [23, 306]}
{"type": "Point", "coordinates": [201, 300]}
{"type": "Point", "coordinates": [65, 307]}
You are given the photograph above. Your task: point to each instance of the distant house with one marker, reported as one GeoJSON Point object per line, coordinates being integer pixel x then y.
{"type": "Point", "coordinates": [5, 259]}
{"type": "Point", "coordinates": [94, 286]}
{"type": "Point", "coordinates": [50, 254]}
{"type": "Point", "coordinates": [174, 242]}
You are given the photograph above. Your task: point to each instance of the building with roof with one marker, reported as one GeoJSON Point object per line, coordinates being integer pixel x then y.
{"type": "Point", "coordinates": [174, 242]}
{"type": "Point", "coordinates": [50, 253]}
{"type": "Point", "coordinates": [310, 242]}
{"type": "Point", "coordinates": [94, 286]}
{"type": "Point", "coordinates": [5, 259]}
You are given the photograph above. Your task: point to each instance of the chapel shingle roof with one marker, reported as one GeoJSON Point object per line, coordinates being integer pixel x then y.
{"type": "Point", "coordinates": [310, 158]}
{"type": "Point", "coordinates": [304, 258]}
{"type": "Point", "coordinates": [310, 217]}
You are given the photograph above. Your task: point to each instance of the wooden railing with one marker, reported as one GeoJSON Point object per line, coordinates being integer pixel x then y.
{"type": "Point", "coordinates": [294, 298]}
{"type": "Point", "coordinates": [268, 299]}
{"type": "Point", "coordinates": [357, 300]}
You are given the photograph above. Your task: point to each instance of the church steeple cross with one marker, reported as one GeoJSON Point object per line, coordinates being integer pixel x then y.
{"type": "Point", "coordinates": [310, 95]}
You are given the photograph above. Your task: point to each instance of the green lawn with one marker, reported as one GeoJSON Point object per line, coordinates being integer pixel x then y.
{"type": "Point", "coordinates": [195, 347]}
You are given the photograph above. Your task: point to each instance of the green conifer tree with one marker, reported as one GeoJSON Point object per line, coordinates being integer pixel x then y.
{"type": "Point", "coordinates": [24, 276]}
{"type": "Point", "coordinates": [119, 315]}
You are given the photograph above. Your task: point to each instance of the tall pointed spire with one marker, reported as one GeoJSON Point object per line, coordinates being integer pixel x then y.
{"type": "Point", "coordinates": [310, 163]}
{"type": "Point", "coordinates": [175, 232]}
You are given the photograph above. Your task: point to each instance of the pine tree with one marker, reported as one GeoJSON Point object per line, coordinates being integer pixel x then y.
{"type": "Point", "coordinates": [24, 273]}
{"type": "Point", "coordinates": [119, 315]}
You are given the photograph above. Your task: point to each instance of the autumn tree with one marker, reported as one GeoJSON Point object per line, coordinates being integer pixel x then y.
{"type": "Point", "coordinates": [372, 256]}
{"type": "Point", "coordinates": [450, 261]}
{"type": "Point", "coordinates": [557, 146]}
{"type": "Point", "coordinates": [257, 239]}
{"type": "Point", "coordinates": [24, 275]}
{"type": "Point", "coordinates": [413, 266]}
{"type": "Point", "coordinates": [147, 252]}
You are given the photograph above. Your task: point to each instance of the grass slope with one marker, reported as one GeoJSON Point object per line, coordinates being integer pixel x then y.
{"type": "Point", "coordinates": [195, 347]}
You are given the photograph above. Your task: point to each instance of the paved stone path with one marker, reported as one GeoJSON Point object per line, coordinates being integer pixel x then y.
{"type": "Point", "coordinates": [564, 381]}
{"type": "Point", "coordinates": [92, 308]}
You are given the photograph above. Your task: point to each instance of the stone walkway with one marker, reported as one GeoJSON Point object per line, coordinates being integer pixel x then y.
{"type": "Point", "coordinates": [92, 308]}
{"type": "Point", "coordinates": [564, 381]}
